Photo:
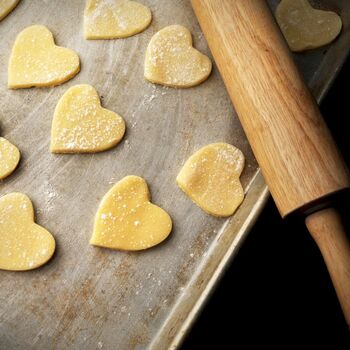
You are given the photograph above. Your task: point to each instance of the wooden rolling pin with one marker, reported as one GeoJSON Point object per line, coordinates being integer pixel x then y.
{"type": "Point", "coordinates": [290, 140]}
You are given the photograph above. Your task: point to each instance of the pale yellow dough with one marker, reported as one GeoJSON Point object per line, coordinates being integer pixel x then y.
{"type": "Point", "coordinates": [113, 19]}
{"type": "Point", "coordinates": [24, 245]}
{"type": "Point", "coordinates": [9, 158]}
{"type": "Point", "coordinates": [6, 6]}
{"type": "Point", "coordinates": [305, 27]}
{"type": "Point", "coordinates": [210, 177]}
{"type": "Point", "coordinates": [127, 220]}
{"type": "Point", "coordinates": [172, 61]}
{"type": "Point", "coordinates": [81, 125]}
{"type": "Point", "coordinates": [36, 60]}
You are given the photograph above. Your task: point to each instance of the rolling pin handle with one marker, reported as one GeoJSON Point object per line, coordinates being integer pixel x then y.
{"type": "Point", "coordinates": [290, 140]}
{"type": "Point", "coordinates": [326, 228]}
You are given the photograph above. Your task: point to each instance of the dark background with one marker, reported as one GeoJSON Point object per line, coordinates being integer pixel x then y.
{"type": "Point", "coordinates": [277, 291]}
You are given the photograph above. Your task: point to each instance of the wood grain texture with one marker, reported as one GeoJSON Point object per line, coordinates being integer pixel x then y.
{"type": "Point", "coordinates": [327, 230]}
{"type": "Point", "coordinates": [290, 140]}
{"type": "Point", "coordinates": [87, 298]}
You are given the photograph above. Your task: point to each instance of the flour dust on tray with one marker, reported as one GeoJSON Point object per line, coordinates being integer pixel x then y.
{"type": "Point", "coordinates": [24, 245]}
{"type": "Point", "coordinates": [113, 19]}
{"type": "Point", "coordinates": [36, 61]}
{"type": "Point", "coordinates": [210, 177]}
{"type": "Point", "coordinates": [81, 125]}
{"type": "Point", "coordinates": [172, 61]}
{"type": "Point", "coordinates": [127, 220]}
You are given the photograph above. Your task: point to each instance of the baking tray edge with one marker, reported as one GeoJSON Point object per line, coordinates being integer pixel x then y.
{"type": "Point", "coordinates": [233, 234]}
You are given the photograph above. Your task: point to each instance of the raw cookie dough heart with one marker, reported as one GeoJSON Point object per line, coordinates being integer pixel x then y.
{"type": "Point", "coordinates": [9, 158]}
{"type": "Point", "coordinates": [36, 60]}
{"type": "Point", "coordinates": [210, 177]}
{"type": "Point", "coordinates": [24, 245]}
{"type": "Point", "coordinates": [6, 6]}
{"type": "Point", "coordinates": [172, 61]}
{"type": "Point", "coordinates": [81, 125]}
{"type": "Point", "coordinates": [127, 220]}
{"type": "Point", "coordinates": [305, 27]}
{"type": "Point", "coordinates": [113, 19]}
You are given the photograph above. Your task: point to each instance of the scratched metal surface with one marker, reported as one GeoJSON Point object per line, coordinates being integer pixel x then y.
{"type": "Point", "coordinates": [91, 298]}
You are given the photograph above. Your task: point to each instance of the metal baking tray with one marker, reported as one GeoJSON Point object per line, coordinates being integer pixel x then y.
{"type": "Point", "coordinates": [92, 298]}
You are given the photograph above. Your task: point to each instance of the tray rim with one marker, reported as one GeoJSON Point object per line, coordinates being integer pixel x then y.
{"type": "Point", "coordinates": [228, 239]}
{"type": "Point", "coordinates": [319, 84]}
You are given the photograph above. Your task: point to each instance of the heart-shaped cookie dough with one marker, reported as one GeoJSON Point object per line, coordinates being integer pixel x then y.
{"type": "Point", "coordinates": [36, 60]}
{"type": "Point", "coordinates": [81, 125]}
{"type": "Point", "coordinates": [127, 220]}
{"type": "Point", "coordinates": [305, 27]}
{"type": "Point", "coordinates": [6, 6]}
{"type": "Point", "coordinates": [24, 245]}
{"type": "Point", "coordinates": [210, 177]}
{"type": "Point", "coordinates": [9, 158]}
{"type": "Point", "coordinates": [113, 19]}
{"type": "Point", "coordinates": [172, 61]}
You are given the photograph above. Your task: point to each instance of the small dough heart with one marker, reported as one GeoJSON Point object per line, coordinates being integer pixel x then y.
{"type": "Point", "coordinates": [36, 60]}
{"type": "Point", "coordinates": [305, 27]}
{"type": "Point", "coordinates": [127, 220]}
{"type": "Point", "coordinates": [6, 6]}
{"type": "Point", "coordinates": [9, 158]}
{"type": "Point", "coordinates": [172, 61]}
{"type": "Point", "coordinates": [24, 245]}
{"type": "Point", "coordinates": [210, 177]}
{"type": "Point", "coordinates": [81, 125]}
{"type": "Point", "coordinates": [113, 19]}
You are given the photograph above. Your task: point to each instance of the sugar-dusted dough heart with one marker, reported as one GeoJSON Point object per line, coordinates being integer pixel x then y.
{"type": "Point", "coordinates": [36, 60]}
{"type": "Point", "coordinates": [9, 158]}
{"type": "Point", "coordinates": [172, 61]}
{"type": "Point", "coordinates": [127, 220]}
{"type": "Point", "coordinates": [24, 245]}
{"type": "Point", "coordinates": [113, 19]}
{"type": "Point", "coordinates": [6, 6]}
{"type": "Point", "coordinates": [81, 125]}
{"type": "Point", "coordinates": [305, 27]}
{"type": "Point", "coordinates": [210, 177]}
